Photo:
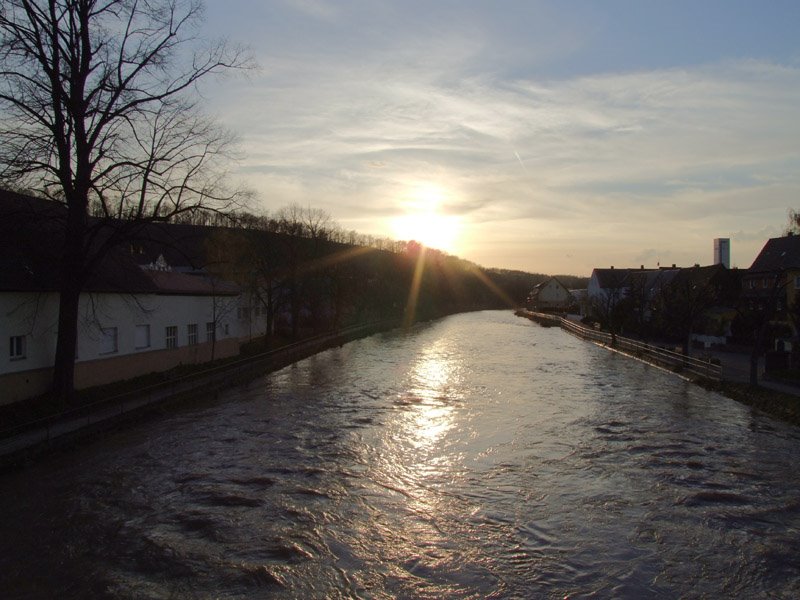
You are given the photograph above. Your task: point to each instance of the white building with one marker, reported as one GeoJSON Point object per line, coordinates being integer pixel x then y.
{"type": "Point", "coordinates": [133, 319]}
{"type": "Point", "coordinates": [722, 252]}
{"type": "Point", "coordinates": [184, 319]}
{"type": "Point", "coordinates": [608, 286]}
{"type": "Point", "coordinates": [550, 295]}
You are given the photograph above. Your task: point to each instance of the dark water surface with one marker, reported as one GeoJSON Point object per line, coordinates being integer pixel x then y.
{"type": "Point", "coordinates": [479, 456]}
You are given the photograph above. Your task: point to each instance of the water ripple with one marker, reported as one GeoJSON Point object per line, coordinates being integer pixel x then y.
{"type": "Point", "coordinates": [479, 456]}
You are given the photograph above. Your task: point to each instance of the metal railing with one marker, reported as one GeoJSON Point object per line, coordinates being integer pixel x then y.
{"type": "Point", "coordinates": [34, 432]}
{"type": "Point", "coordinates": [678, 362]}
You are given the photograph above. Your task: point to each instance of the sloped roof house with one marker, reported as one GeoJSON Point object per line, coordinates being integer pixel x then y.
{"type": "Point", "coordinates": [133, 319]}
{"type": "Point", "coordinates": [774, 275]}
{"type": "Point", "coordinates": [550, 294]}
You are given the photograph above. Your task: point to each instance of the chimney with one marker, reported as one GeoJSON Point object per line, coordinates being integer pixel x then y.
{"type": "Point", "coordinates": [641, 267]}
{"type": "Point", "coordinates": [673, 265]}
{"type": "Point", "coordinates": [612, 266]}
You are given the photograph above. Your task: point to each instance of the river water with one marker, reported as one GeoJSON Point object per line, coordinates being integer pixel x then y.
{"type": "Point", "coordinates": [479, 456]}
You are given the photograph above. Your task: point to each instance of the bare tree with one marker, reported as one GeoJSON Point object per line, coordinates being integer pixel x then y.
{"type": "Point", "coordinates": [302, 255]}
{"type": "Point", "coordinates": [97, 111]}
{"type": "Point", "coordinates": [761, 312]}
{"type": "Point", "coordinates": [610, 306]}
{"type": "Point", "coordinates": [318, 223]}
{"type": "Point", "coordinates": [793, 223]}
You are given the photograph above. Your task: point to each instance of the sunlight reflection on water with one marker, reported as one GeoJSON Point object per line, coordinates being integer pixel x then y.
{"type": "Point", "coordinates": [434, 379]}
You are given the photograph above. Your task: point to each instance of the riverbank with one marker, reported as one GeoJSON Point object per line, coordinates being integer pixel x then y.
{"type": "Point", "coordinates": [773, 398]}
{"type": "Point", "coordinates": [777, 404]}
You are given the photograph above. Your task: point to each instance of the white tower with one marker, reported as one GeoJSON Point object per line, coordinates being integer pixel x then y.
{"type": "Point", "coordinates": [722, 252]}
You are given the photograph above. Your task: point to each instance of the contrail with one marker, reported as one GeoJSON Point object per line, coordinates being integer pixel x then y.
{"type": "Point", "coordinates": [522, 164]}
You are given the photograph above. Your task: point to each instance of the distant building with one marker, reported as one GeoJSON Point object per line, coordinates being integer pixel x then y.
{"type": "Point", "coordinates": [722, 252]}
{"type": "Point", "coordinates": [550, 295]}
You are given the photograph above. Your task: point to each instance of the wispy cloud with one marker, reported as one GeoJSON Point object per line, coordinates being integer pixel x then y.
{"type": "Point", "coordinates": [689, 148]}
{"type": "Point", "coordinates": [319, 9]}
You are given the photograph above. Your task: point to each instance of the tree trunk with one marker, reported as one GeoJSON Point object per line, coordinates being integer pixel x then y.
{"type": "Point", "coordinates": [67, 339]}
{"type": "Point", "coordinates": [71, 284]}
{"type": "Point", "coordinates": [270, 312]}
{"type": "Point", "coordinates": [294, 307]}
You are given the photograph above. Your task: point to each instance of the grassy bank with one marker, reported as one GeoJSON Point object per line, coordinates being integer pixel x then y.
{"type": "Point", "coordinates": [785, 407]}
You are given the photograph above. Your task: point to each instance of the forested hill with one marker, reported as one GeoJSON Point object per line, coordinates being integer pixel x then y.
{"type": "Point", "coordinates": [307, 281]}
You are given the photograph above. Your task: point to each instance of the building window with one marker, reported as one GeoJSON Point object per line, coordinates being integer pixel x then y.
{"type": "Point", "coordinates": [16, 347]}
{"type": "Point", "coordinates": [797, 283]}
{"type": "Point", "coordinates": [225, 329]}
{"type": "Point", "coordinates": [171, 336]}
{"type": "Point", "coordinates": [108, 342]}
{"type": "Point", "coordinates": [210, 332]}
{"type": "Point", "coordinates": [141, 337]}
{"type": "Point", "coordinates": [191, 334]}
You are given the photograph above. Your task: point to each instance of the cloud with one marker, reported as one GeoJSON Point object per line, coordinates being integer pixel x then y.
{"type": "Point", "coordinates": [377, 100]}
{"type": "Point", "coordinates": [317, 9]}
{"type": "Point", "coordinates": [618, 138]}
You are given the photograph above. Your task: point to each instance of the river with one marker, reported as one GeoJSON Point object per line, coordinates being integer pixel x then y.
{"type": "Point", "coordinates": [478, 456]}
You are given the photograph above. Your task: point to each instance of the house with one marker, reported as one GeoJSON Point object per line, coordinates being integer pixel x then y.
{"type": "Point", "coordinates": [607, 287]}
{"type": "Point", "coordinates": [773, 280]}
{"type": "Point", "coordinates": [550, 296]}
{"type": "Point", "coordinates": [645, 287]}
{"type": "Point", "coordinates": [699, 302]}
{"type": "Point", "coordinates": [673, 302]}
{"type": "Point", "coordinates": [770, 290]}
{"type": "Point", "coordinates": [133, 318]}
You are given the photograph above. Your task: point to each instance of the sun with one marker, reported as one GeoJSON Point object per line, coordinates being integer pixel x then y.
{"type": "Point", "coordinates": [431, 230]}
{"type": "Point", "coordinates": [425, 223]}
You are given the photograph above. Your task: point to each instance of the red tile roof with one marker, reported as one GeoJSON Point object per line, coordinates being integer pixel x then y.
{"type": "Point", "coordinates": [171, 282]}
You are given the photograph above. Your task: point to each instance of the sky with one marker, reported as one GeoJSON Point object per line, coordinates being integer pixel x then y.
{"type": "Point", "coordinates": [546, 136]}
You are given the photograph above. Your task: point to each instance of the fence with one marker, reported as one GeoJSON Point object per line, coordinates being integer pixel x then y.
{"type": "Point", "coordinates": [675, 361]}
{"type": "Point", "coordinates": [43, 431]}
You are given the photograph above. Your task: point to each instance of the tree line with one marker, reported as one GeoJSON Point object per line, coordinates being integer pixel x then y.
{"type": "Point", "coordinates": [305, 278]}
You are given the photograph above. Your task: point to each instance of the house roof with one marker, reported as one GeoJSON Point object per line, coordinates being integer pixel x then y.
{"type": "Point", "coordinates": [31, 241]}
{"type": "Point", "coordinates": [697, 275]}
{"type": "Point", "coordinates": [175, 283]}
{"type": "Point", "coordinates": [30, 234]}
{"type": "Point", "coordinates": [722, 283]}
{"type": "Point", "coordinates": [778, 254]}
{"type": "Point", "coordinates": [542, 284]}
{"type": "Point", "coordinates": [611, 278]}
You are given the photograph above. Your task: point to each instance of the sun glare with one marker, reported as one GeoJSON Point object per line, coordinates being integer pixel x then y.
{"type": "Point", "coordinates": [424, 223]}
